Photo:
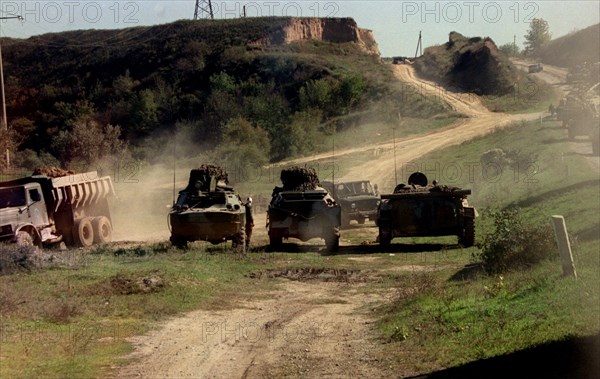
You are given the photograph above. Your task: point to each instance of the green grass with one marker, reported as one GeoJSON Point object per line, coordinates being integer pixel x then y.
{"type": "Point", "coordinates": [442, 321]}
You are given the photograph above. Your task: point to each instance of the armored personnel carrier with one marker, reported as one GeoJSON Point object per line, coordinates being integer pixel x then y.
{"type": "Point", "coordinates": [357, 198]}
{"type": "Point", "coordinates": [303, 209]}
{"type": "Point", "coordinates": [422, 210]}
{"type": "Point", "coordinates": [208, 210]}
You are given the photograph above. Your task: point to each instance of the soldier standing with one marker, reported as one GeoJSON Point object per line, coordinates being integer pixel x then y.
{"type": "Point", "coordinates": [249, 220]}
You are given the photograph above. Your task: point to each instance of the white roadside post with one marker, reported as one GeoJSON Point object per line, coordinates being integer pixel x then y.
{"type": "Point", "coordinates": [564, 247]}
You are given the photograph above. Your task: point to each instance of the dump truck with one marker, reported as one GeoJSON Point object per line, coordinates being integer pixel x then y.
{"type": "Point", "coordinates": [357, 199]}
{"type": "Point", "coordinates": [208, 209]}
{"type": "Point", "coordinates": [41, 210]}
{"type": "Point", "coordinates": [420, 209]}
{"type": "Point", "coordinates": [303, 209]}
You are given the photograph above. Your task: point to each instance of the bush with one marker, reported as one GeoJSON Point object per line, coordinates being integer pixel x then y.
{"type": "Point", "coordinates": [514, 245]}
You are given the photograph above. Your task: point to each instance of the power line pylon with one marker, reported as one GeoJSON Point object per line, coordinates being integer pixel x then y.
{"type": "Point", "coordinates": [204, 10]}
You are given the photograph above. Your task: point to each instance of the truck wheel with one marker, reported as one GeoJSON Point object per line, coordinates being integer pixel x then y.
{"type": "Point", "coordinates": [468, 237]}
{"type": "Point", "coordinates": [24, 239]}
{"type": "Point", "coordinates": [102, 230]}
{"type": "Point", "coordinates": [84, 232]}
{"type": "Point", "coordinates": [361, 220]}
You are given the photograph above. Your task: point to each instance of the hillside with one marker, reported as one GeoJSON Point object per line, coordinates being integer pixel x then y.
{"type": "Point", "coordinates": [471, 64]}
{"type": "Point", "coordinates": [573, 49]}
{"type": "Point", "coordinates": [293, 80]}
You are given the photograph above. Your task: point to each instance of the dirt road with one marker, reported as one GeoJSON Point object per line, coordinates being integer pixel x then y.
{"type": "Point", "coordinates": [479, 121]}
{"type": "Point", "coordinates": [306, 328]}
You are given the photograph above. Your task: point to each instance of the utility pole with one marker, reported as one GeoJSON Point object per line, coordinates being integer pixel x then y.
{"type": "Point", "coordinates": [514, 45]}
{"type": "Point", "coordinates": [204, 10]}
{"type": "Point", "coordinates": [419, 46]}
{"type": "Point", "coordinates": [3, 120]}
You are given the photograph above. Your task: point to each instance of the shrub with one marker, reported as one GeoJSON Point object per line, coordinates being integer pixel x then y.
{"type": "Point", "coordinates": [514, 245]}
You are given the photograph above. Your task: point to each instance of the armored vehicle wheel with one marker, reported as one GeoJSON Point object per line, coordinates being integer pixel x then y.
{"type": "Point", "coordinates": [275, 239]}
{"type": "Point", "coordinates": [84, 232]}
{"type": "Point", "coordinates": [238, 242]}
{"type": "Point", "coordinates": [571, 132]}
{"type": "Point", "coordinates": [345, 222]}
{"type": "Point", "coordinates": [102, 230]}
{"type": "Point", "coordinates": [468, 237]}
{"type": "Point", "coordinates": [385, 240]}
{"type": "Point", "coordinates": [178, 242]}
{"type": "Point", "coordinates": [332, 241]}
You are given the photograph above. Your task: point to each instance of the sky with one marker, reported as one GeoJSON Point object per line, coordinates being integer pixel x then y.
{"type": "Point", "coordinates": [396, 24]}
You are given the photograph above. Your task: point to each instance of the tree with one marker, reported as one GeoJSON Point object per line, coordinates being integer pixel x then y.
{"type": "Point", "coordinates": [537, 36]}
{"type": "Point", "coordinates": [510, 49]}
{"type": "Point", "coordinates": [243, 145]}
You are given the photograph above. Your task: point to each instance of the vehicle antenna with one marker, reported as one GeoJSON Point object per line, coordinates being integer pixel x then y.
{"type": "Point", "coordinates": [174, 163]}
{"type": "Point", "coordinates": [395, 168]}
{"type": "Point", "coordinates": [333, 162]}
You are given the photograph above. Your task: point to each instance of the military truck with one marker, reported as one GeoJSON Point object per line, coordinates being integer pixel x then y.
{"type": "Point", "coordinates": [303, 209]}
{"type": "Point", "coordinates": [580, 114]}
{"type": "Point", "coordinates": [422, 210]}
{"type": "Point", "coordinates": [41, 210]}
{"type": "Point", "coordinates": [533, 68]}
{"type": "Point", "coordinates": [356, 198]}
{"type": "Point", "coordinates": [208, 209]}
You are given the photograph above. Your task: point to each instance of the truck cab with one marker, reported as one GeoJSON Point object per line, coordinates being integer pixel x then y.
{"type": "Point", "coordinates": [23, 210]}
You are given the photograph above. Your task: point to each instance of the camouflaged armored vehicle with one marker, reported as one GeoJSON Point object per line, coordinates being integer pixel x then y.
{"type": "Point", "coordinates": [303, 209]}
{"type": "Point", "coordinates": [357, 198]}
{"type": "Point", "coordinates": [208, 210]}
{"type": "Point", "coordinates": [422, 210]}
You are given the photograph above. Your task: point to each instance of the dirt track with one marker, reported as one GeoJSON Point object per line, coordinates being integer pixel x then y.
{"type": "Point", "coordinates": [479, 122]}
{"type": "Point", "coordinates": [311, 329]}
{"type": "Point", "coordinates": [302, 328]}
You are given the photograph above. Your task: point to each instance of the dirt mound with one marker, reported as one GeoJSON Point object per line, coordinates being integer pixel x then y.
{"type": "Point", "coordinates": [128, 284]}
{"type": "Point", "coordinates": [203, 174]}
{"type": "Point", "coordinates": [306, 274]}
{"type": "Point", "coordinates": [299, 179]}
{"type": "Point", "coordinates": [471, 64]}
{"type": "Point", "coordinates": [52, 172]}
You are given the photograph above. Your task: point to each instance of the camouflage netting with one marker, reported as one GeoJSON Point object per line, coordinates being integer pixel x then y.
{"type": "Point", "coordinates": [299, 179]}
{"type": "Point", "coordinates": [203, 175]}
{"type": "Point", "coordinates": [52, 172]}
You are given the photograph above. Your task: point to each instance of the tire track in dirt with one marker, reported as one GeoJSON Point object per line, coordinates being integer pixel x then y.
{"type": "Point", "coordinates": [312, 329]}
